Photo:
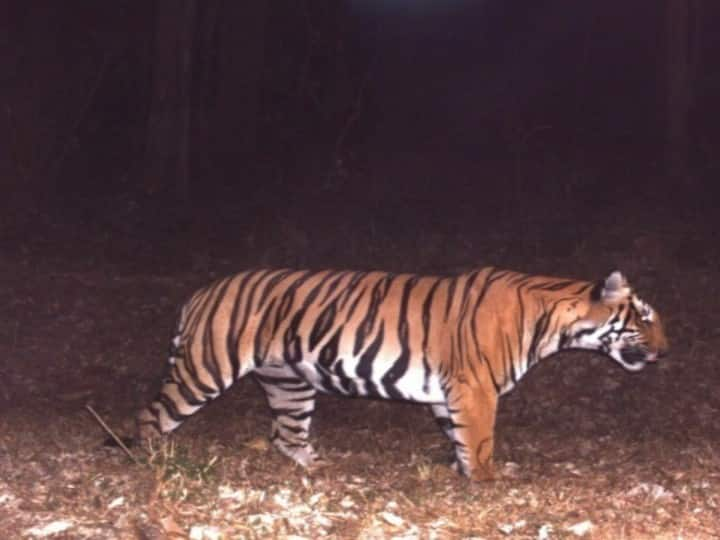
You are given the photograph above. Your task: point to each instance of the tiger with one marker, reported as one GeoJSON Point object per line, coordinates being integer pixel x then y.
{"type": "Point", "coordinates": [456, 343]}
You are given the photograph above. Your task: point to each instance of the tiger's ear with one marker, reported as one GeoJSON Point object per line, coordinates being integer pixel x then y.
{"type": "Point", "coordinates": [614, 289]}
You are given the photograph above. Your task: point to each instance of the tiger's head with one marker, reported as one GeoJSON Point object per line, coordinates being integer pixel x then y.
{"type": "Point", "coordinates": [618, 323]}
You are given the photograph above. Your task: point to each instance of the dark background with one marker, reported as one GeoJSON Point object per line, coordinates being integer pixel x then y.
{"type": "Point", "coordinates": [133, 118]}
{"type": "Point", "coordinates": [147, 147]}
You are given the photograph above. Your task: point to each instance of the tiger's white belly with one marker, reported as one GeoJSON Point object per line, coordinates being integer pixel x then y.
{"type": "Point", "coordinates": [342, 378]}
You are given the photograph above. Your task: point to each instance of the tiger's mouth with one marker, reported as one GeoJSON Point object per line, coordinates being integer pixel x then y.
{"type": "Point", "coordinates": [637, 357]}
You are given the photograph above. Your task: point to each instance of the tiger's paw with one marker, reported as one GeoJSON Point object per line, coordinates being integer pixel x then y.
{"type": "Point", "coordinates": [304, 455]}
{"type": "Point", "coordinates": [483, 472]}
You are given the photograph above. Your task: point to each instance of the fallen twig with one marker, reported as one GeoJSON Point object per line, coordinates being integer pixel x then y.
{"type": "Point", "coordinates": [112, 434]}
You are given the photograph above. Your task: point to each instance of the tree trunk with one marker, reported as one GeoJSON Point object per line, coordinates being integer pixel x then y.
{"type": "Point", "coordinates": [229, 58]}
{"type": "Point", "coordinates": [682, 19]}
{"type": "Point", "coordinates": [167, 165]}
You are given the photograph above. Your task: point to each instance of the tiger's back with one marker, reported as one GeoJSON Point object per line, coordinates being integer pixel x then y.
{"type": "Point", "coordinates": [456, 343]}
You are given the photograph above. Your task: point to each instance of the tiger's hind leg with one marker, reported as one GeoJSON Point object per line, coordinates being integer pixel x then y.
{"type": "Point", "coordinates": [173, 404]}
{"type": "Point", "coordinates": [292, 402]}
{"type": "Point", "coordinates": [187, 387]}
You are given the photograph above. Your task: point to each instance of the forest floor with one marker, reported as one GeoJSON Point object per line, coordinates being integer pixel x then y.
{"type": "Point", "coordinates": [584, 449]}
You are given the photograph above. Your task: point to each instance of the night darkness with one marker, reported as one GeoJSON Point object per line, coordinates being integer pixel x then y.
{"type": "Point", "coordinates": [147, 148]}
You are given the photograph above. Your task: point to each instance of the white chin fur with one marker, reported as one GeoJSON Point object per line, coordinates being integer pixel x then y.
{"type": "Point", "coordinates": [634, 367]}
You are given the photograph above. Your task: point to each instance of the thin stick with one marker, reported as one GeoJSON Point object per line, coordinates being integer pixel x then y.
{"type": "Point", "coordinates": [112, 433]}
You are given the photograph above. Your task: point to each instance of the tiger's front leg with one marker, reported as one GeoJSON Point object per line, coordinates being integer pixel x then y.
{"type": "Point", "coordinates": [471, 410]}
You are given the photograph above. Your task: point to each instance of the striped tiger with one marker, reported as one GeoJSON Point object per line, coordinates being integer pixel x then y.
{"type": "Point", "coordinates": [455, 343]}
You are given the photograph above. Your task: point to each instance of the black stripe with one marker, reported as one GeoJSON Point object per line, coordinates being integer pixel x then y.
{"type": "Point", "coordinates": [185, 391]}
{"type": "Point", "coordinates": [328, 354]}
{"type": "Point", "coordinates": [292, 429]}
{"type": "Point", "coordinates": [283, 309]}
{"type": "Point", "coordinates": [296, 413]}
{"type": "Point", "coordinates": [365, 364]}
{"type": "Point", "coordinates": [450, 295]}
{"type": "Point", "coordinates": [333, 286]}
{"type": "Point", "coordinates": [561, 285]}
{"type": "Point", "coordinates": [208, 296]}
{"type": "Point", "coordinates": [300, 416]}
{"type": "Point", "coordinates": [349, 289]}
{"type": "Point", "coordinates": [584, 332]}
{"type": "Point", "coordinates": [270, 285]}
{"type": "Point", "coordinates": [176, 375]}
{"type": "Point", "coordinates": [541, 326]}
{"type": "Point", "coordinates": [263, 336]}
{"type": "Point", "coordinates": [368, 322]}
{"type": "Point", "coordinates": [292, 343]}
{"type": "Point", "coordinates": [210, 359]}
{"type": "Point", "coordinates": [348, 385]}
{"type": "Point", "coordinates": [277, 381]}
{"type": "Point", "coordinates": [325, 378]}
{"type": "Point", "coordinates": [196, 312]}
{"type": "Point", "coordinates": [583, 288]}
{"type": "Point", "coordinates": [520, 330]}
{"type": "Point", "coordinates": [549, 284]}
{"type": "Point", "coordinates": [400, 366]}
{"type": "Point", "coordinates": [489, 280]}
{"type": "Point", "coordinates": [290, 339]}
{"type": "Point", "coordinates": [323, 324]}
{"type": "Point", "coordinates": [354, 304]}
{"type": "Point", "coordinates": [170, 408]}
{"type": "Point", "coordinates": [247, 304]}
{"type": "Point", "coordinates": [483, 359]}
{"type": "Point", "coordinates": [426, 320]}
{"type": "Point", "coordinates": [463, 313]}
{"type": "Point", "coordinates": [232, 339]}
